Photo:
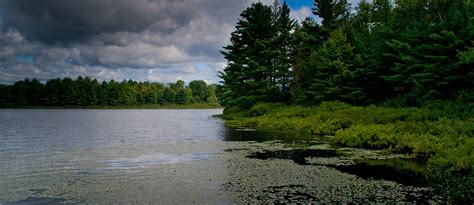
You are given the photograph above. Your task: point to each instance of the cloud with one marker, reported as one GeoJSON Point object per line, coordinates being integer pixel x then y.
{"type": "Point", "coordinates": [301, 13]}
{"type": "Point", "coordinates": [67, 20]}
{"type": "Point", "coordinates": [158, 40]}
{"type": "Point", "coordinates": [115, 39]}
{"type": "Point", "coordinates": [64, 21]}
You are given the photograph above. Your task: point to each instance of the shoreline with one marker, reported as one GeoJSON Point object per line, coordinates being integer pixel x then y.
{"type": "Point", "coordinates": [439, 135]}
{"type": "Point", "coordinates": [121, 107]}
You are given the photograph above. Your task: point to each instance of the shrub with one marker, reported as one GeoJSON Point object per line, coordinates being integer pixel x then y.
{"type": "Point", "coordinates": [263, 108]}
{"type": "Point", "coordinates": [372, 136]}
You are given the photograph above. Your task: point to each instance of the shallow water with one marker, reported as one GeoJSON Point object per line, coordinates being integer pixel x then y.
{"type": "Point", "coordinates": [168, 156]}
{"type": "Point", "coordinates": [102, 156]}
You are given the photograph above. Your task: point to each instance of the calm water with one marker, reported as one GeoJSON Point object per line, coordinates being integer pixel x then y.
{"type": "Point", "coordinates": [170, 157]}
{"type": "Point", "coordinates": [49, 156]}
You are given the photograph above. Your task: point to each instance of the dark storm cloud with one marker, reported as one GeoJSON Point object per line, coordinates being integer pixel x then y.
{"type": "Point", "coordinates": [54, 21]}
{"type": "Point", "coordinates": [64, 20]}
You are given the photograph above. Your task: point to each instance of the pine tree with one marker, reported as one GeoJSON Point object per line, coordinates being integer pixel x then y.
{"type": "Point", "coordinates": [306, 40]}
{"type": "Point", "coordinates": [425, 54]}
{"type": "Point", "coordinates": [250, 76]}
{"type": "Point", "coordinates": [333, 13]}
{"type": "Point", "coordinates": [369, 28]}
{"type": "Point", "coordinates": [336, 71]}
{"type": "Point", "coordinates": [281, 75]}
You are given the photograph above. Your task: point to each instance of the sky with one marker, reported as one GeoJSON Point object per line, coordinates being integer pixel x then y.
{"type": "Point", "coordinates": [144, 40]}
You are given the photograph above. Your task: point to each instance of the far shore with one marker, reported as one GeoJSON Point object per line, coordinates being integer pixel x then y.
{"type": "Point", "coordinates": [149, 106]}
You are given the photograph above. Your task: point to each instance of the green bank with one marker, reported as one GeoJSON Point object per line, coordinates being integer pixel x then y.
{"type": "Point", "coordinates": [438, 135]}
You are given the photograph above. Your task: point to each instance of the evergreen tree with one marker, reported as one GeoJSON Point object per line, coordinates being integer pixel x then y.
{"type": "Point", "coordinates": [336, 71]}
{"type": "Point", "coordinates": [35, 95]}
{"type": "Point", "coordinates": [368, 32]}
{"type": "Point", "coordinates": [5, 95]}
{"type": "Point", "coordinates": [20, 92]}
{"type": "Point", "coordinates": [425, 54]}
{"type": "Point", "coordinates": [281, 54]}
{"type": "Point", "coordinates": [69, 92]}
{"type": "Point", "coordinates": [334, 14]}
{"type": "Point", "coordinates": [53, 92]}
{"type": "Point", "coordinates": [306, 40]}
{"type": "Point", "coordinates": [247, 78]}
{"type": "Point", "coordinates": [259, 57]}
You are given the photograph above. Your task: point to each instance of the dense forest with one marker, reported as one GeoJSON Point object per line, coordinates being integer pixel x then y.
{"type": "Point", "coordinates": [85, 91]}
{"type": "Point", "coordinates": [409, 52]}
{"type": "Point", "coordinates": [396, 76]}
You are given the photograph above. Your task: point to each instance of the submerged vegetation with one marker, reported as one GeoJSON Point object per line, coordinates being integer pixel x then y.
{"type": "Point", "coordinates": [388, 75]}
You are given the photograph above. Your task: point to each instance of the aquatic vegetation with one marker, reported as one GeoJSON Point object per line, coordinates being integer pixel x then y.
{"type": "Point", "coordinates": [439, 134]}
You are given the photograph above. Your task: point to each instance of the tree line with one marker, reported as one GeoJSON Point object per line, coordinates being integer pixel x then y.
{"type": "Point", "coordinates": [85, 91]}
{"type": "Point", "coordinates": [407, 51]}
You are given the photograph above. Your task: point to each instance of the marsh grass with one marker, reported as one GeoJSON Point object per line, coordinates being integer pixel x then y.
{"type": "Point", "coordinates": [439, 134]}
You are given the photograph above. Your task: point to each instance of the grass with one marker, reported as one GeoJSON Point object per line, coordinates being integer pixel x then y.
{"type": "Point", "coordinates": [440, 134]}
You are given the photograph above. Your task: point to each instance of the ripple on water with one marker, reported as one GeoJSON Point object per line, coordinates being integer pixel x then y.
{"type": "Point", "coordinates": [151, 160]}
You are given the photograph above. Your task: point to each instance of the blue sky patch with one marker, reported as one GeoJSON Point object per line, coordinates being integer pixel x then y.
{"type": "Point", "coordinates": [25, 58]}
{"type": "Point", "coordinates": [297, 4]}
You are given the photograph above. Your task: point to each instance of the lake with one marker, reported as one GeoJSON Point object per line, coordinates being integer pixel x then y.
{"type": "Point", "coordinates": [169, 157]}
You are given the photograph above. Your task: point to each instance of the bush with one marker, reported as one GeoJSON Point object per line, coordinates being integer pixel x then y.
{"type": "Point", "coordinates": [452, 171]}
{"type": "Point", "coordinates": [367, 136]}
{"type": "Point", "coordinates": [263, 108]}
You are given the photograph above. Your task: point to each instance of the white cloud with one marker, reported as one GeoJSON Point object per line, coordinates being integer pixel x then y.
{"type": "Point", "coordinates": [301, 13]}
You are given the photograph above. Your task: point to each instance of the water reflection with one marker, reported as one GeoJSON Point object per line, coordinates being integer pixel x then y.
{"type": "Point", "coordinates": [151, 160]}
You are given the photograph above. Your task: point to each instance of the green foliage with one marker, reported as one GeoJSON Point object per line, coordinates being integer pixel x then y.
{"type": "Point", "coordinates": [429, 53]}
{"type": "Point", "coordinates": [452, 171]}
{"type": "Point", "coordinates": [333, 14]}
{"type": "Point", "coordinates": [335, 71]}
{"type": "Point", "coordinates": [258, 57]}
{"type": "Point", "coordinates": [409, 51]}
{"type": "Point", "coordinates": [201, 92]}
{"type": "Point", "coordinates": [412, 58]}
{"type": "Point", "coordinates": [262, 109]}
{"type": "Point", "coordinates": [5, 92]}
{"type": "Point", "coordinates": [372, 136]}
{"type": "Point", "coordinates": [199, 88]}
{"type": "Point", "coordinates": [305, 42]}
{"type": "Point", "coordinates": [87, 92]}
{"type": "Point", "coordinates": [439, 133]}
